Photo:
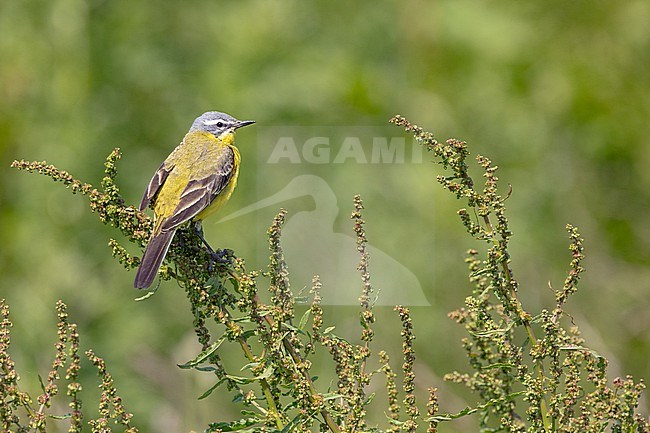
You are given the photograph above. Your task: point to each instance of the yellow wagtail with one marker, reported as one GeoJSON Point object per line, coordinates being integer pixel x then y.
{"type": "Point", "coordinates": [195, 181]}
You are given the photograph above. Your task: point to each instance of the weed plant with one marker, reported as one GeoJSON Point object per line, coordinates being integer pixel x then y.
{"type": "Point", "coordinates": [530, 371]}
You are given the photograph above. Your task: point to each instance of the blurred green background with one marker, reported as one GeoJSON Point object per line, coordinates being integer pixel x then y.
{"type": "Point", "coordinates": [556, 93]}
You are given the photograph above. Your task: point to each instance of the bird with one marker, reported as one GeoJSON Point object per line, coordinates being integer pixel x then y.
{"type": "Point", "coordinates": [194, 182]}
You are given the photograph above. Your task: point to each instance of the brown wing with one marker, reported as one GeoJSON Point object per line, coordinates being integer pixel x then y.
{"type": "Point", "coordinates": [199, 193]}
{"type": "Point", "coordinates": [158, 179]}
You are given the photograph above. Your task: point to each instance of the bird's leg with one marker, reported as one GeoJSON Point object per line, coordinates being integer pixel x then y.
{"type": "Point", "coordinates": [219, 256]}
{"type": "Point", "coordinates": [199, 232]}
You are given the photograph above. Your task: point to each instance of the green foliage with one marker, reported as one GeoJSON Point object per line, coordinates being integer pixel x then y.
{"type": "Point", "coordinates": [555, 91]}
{"type": "Point", "coordinates": [531, 372]}
{"type": "Point", "coordinates": [527, 382]}
{"type": "Point", "coordinates": [20, 413]}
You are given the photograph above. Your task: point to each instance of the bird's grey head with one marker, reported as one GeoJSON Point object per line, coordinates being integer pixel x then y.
{"type": "Point", "coordinates": [218, 123]}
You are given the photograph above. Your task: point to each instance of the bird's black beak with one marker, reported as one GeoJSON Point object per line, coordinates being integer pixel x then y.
{"type": "Point", "coordinates": [242, 123]}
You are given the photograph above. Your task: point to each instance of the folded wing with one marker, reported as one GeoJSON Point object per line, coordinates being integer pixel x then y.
{"type": "Point", "coordinates": [199, 193]}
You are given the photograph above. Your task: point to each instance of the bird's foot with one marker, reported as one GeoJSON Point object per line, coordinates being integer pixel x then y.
{"type": "Point", "coordinates": [220, 258]}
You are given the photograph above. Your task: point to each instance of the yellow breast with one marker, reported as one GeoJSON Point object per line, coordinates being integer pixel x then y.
{"type": "Point", "coordinates": [224, 195]}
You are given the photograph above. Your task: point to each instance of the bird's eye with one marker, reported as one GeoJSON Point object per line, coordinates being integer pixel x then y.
{"type": "Point", "coordinates": [219, 124]}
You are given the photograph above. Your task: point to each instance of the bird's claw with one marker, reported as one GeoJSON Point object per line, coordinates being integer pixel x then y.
{"type": "Point", "coordinates": [222, 257]}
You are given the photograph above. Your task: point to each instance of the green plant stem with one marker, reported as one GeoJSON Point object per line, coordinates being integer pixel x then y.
{"type": "Point", "coordinates": [312, 390]}
{"type": "Point", "coordinates": [525, 320]}
{"type": "Point", "coordinates": [296, 358]}
{"type": "Point", "coordinates": [266, 389]}
{"type": "Point", "coordinates": [305, 374]}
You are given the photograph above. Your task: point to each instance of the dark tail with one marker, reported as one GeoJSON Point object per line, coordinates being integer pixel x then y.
{"type": "Point", "coordinates": [152, 259]}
